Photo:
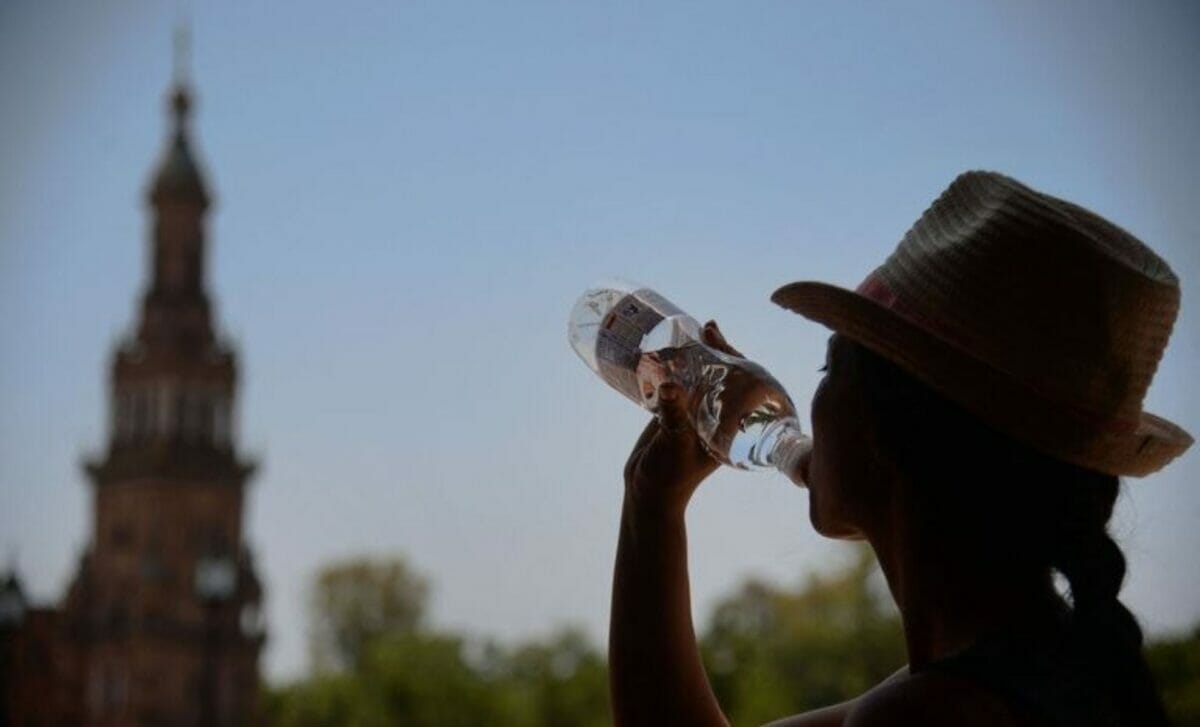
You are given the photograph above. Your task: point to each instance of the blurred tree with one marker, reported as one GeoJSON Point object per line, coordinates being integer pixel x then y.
{"type": "Point", "coordinates": [561, 681]}
{"type": "Point", "coordinates": [771, 652]}
{"type": "Point", "coordinates": [319, 701]}
{"type": "Point", "coordinates": [374, 663]}
{"type": "Point", "coordinates": [1176, 667]}
{"type": "Point", "coordinates": [426, 680]}
{"type": "Point", "coordinates": [357, 601]}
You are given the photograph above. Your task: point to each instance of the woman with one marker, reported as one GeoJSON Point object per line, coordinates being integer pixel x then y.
{"type": "Point", "coordinates": [982, 394]}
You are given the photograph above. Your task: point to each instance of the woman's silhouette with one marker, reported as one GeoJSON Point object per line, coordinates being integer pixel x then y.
{"type": "Point", "coordinates": [982, 395]}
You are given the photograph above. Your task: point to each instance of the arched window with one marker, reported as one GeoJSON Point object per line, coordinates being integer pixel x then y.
{"type": "Point", "coordinates": [151, 410]}
{"type": "Point", "coordinates": [162, 410]}
{"type": "Point", "coordinates": [204, 416]}
{"type": "Point", "coordinates": [189, 416]}
{"type": "Point", "coordinates": [122, 424]}
{"type": "Point", "coordinates": [178, 409]}
{"type": "Point", "coordinates": [141, 413]}
{"type": "Point", "coordinates": [197, 416]}
{"type": "Point", "coordinates": [221, 423]}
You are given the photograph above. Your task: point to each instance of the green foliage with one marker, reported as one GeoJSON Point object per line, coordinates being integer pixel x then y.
{"type": "Point", "coordinates": [320, 701]}
{"type": "Point", "coordinates": [426, 679]}
{"type": "Point", "coordinates": [562, 681]}
{"type": "Point", "coordinates": [374, 664]}
{"type": "Point", "coordinates": [357, 601]}
{"type": "Point", "coordinates": [1176, 667]}
{"type": "Point", "coordinates": [771, 652]}
{"type": "Point", "coordinates": [434, 680]}
{"type": "Point", "coordinates": [411, 679]}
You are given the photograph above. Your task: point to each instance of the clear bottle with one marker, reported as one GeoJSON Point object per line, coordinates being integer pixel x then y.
{"type": "Point", "coordinates": [636, 340]}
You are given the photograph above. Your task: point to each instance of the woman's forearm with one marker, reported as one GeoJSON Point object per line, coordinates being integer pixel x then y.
{"type": "Point", "coordinates": [656, 676]}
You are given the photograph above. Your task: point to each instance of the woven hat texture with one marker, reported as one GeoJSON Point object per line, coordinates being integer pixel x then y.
{"type": "Point", "coordinates": [1040, 317]}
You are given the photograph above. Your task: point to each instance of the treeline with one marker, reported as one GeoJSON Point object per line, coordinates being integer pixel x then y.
{"type": "Point", "coordinates": [770, 652]}
{"type": "Point", "coordinates": [375, 662]}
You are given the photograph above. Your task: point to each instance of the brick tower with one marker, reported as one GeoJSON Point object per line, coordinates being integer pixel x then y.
{"type": "Point", "coordinates": [165, 605]}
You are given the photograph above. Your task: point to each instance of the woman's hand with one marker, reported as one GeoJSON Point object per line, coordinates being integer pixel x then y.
{"type": "Point", "coordinates": [669, 461]}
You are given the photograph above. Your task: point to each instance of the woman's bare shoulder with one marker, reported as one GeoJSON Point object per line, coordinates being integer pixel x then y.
{"type": "Point", "coordinates": [929, 698]}
{"type": "Point", "coordinates": [835, 715]}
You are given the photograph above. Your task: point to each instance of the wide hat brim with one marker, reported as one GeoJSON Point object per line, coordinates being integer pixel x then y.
{"type": "Point", "coordinates": [999, 399]}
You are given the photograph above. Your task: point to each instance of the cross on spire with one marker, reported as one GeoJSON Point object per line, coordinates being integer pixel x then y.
{"type": "Point", "coordinates": [183, 48]}
{"type": "Point", "coordinates": [180, 98]}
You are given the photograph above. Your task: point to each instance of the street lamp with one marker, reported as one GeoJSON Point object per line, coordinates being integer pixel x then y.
{"type": "Point", "coordinates": [215, 583]}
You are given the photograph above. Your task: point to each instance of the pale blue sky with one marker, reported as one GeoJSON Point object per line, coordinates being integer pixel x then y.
{"type": "Point", "coordinates": [410, 196]}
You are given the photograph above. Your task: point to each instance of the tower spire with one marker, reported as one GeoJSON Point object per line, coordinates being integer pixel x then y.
{"type": "Point", "coordinates": [176, 311]}
{"type": "Point", "coordinates": [181, 101]}
{"type": "Point", "coordinates": [178, 177]}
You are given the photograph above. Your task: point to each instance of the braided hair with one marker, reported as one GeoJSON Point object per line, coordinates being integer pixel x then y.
{"type": "Point", "coordinates": [1023, 512]}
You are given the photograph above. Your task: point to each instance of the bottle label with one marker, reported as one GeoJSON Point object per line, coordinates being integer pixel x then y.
{"type": "Point", "coordinates": [618, 345]}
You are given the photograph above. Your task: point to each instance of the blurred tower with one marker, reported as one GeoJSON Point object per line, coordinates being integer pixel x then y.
{"type": "Point", "coordinates": [165, 605]}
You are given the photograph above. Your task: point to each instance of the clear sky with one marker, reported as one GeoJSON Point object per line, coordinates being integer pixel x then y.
{"type": "Point", "coordinates": [411, 195]}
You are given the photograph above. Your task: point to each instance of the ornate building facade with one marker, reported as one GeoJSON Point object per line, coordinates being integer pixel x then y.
{"type": "Point", "coordinates": [161, 624]}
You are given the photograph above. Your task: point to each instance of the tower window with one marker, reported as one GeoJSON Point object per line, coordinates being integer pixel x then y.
{"type": "Point", "coordinates": [150, 392]}
{"type": "Point", "coordinates": [162, 410]}
{"type": "Point", "coordinates": [196, 416]}
{"type": "Point", "coordinates": [221, 421]}
{"type": "Point", "coordinates": [187, 416]}
{"type": "Point", "coordinates": [121, 416]}
{"type": "Point", "coordinates": [141, 414]}
{"type": "Point", "coordinates": [191, 418]}
{"type": "Point", "coordinates": [203, 416]}
{"type": "Point", "coordinates": [178, 409]}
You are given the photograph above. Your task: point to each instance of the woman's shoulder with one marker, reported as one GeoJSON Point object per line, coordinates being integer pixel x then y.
{"type": "Point", "coordinates": [931, 698]}
{"type": "Point", "coordinates": [928, 698]}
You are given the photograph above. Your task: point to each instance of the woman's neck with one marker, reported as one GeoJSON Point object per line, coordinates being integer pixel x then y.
{"type": "Point", "coordinates": [949, 595]}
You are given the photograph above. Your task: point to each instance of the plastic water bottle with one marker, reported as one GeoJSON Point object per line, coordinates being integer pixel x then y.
{"type": "Point", "coordinates": [637, 340]}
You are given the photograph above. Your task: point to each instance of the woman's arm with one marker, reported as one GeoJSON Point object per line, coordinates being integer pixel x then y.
{"type": "Point", "coordinates": [655, 673]}
{"type": "Point", "coordinates": [656, 676]}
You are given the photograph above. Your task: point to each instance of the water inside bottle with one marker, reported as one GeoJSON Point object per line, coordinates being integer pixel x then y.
{"type": "Point", "coordinates": [739, 409]}
{"type": "Point", "coordinates": [586, 317]}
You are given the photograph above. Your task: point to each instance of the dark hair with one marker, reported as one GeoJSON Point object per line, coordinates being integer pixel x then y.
{"type": "Point", "coordinates": [983, 487]}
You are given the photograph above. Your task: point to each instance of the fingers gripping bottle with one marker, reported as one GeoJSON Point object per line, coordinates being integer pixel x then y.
{"type": "Point", "coordinates": [636, 340]}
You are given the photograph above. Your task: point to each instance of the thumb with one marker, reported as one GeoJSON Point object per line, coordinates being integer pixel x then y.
{"type": "Point", "coordinates": [713, 337]}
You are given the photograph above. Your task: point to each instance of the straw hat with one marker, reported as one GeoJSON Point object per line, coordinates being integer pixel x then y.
{"type": "Point", "coordinates": [1041, 318]}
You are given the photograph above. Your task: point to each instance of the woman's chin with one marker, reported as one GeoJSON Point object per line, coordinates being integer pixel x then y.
{"type": "Point", "coordinates": [851, 534]}
{"type": "Point", "coordinates": [840, 532]}
{"type": "Point", "coordinates": [829, 526]}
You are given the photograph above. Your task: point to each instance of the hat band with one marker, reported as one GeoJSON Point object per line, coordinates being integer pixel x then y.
{"type": "Point", "coordinates": [878, 291]}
